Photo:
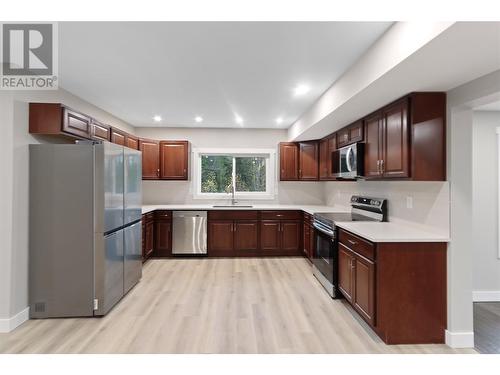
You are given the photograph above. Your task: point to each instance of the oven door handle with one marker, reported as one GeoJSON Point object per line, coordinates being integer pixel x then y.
{"type": "Point", "coordinates": [331, 233]}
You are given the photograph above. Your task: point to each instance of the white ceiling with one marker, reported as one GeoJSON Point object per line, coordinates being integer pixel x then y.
{"type": "Point", "coordinates": [216, 70]}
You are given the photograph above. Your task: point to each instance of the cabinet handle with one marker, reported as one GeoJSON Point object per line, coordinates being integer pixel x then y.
{"type": "Point", "coordinates": [158, 172]}
{"type": "Point", "coordinates": [352, 263]}
{"type": "Point", "coordinates": [352, 242]}
{"type": "Point", "coordinates": [382, 167]}
{"type": "Point", "coordinates": [378, 166]}
{"type": "Point", "coordinates": [279, 215]}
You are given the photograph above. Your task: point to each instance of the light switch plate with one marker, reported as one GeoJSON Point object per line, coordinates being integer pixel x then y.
{"type": "Point", "coordinates": [409, 202]}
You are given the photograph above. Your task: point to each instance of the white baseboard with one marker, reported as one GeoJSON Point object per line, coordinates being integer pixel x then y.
{"type": "Point", "coordinates": [459, 339]}
{"type": "Point", "coordinates": [486, 296]}
{"type": "Point", "coordinates": [10, 324]}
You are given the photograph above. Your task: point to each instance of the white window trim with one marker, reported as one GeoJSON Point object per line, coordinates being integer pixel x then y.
{"type": "Point", "coordinates": [271, 183]}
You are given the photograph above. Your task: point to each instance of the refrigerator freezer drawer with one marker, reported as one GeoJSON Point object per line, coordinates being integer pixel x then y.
{"type": "Point", "coordinates": [108, 271]}
{"type": "Point", "coordinates": [133, 255]}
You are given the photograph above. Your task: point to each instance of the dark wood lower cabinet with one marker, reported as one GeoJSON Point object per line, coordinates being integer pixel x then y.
{"type": "Point", "coordinates": [364, 292]}
{"type": "Point", "coordinates": [399, 289]}
{"type": "Point", "coordinates": [163, 238]}
{"type": "Point", "coordinates": [270, 236]}
{"type": "Point", "coordinates": [246, 238]}
{"type": "Point", "coordinates": [220, 238]}
{"type": "Point", "coordinates": [147, 236]}
{"type": "Point", "coordinates": [345, 269]}
{"type": "Point", "coordinates": [291, 237]}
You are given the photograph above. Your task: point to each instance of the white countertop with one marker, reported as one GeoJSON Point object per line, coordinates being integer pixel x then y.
{"type": "Point", "coordinates": [310, 209]}
{"type": "Point", "coordinates": [372, 231]}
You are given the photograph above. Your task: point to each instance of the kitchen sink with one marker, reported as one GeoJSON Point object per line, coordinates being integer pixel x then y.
{"type": "Point", "coordinates": [232, 205]}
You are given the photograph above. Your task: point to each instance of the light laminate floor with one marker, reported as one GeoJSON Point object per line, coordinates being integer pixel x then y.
{"type": "Point", "coordinates": [487, 327]}
{"type": "Point", "coordinates": [240, 305]}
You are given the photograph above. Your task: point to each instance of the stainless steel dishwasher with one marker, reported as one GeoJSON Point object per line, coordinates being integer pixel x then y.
{"type": "Point", "coordinates": [189, 233]}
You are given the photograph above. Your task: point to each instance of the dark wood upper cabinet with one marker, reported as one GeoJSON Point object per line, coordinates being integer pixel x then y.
{"type": "Point", "coordinates": [132, 142]}
{"type": "Point", "coordinates": [395, 141]}
{"type": "Point", "coordinates": [326, 147]}
{"type": "Point", "coordinates": [308, 161]}
{"type": "Point", "coordinates": [324, 159]}
{"type": "Point", "coordinates": [150, 159]}
{"type": "Point", "coordinates": [350, 134]}
{"type": "Point", "coordinates": [100, 131]}
{"type": "Point", "coordinates": [118, 137]}
{"type": "Point", "coordinates": [76, 123]}
{"type": "Point", "coordinates": [289, 161]}
{"type": "Point", "coordinates": [373, 145]}
{"type": "Point", "coordinates": [174, 157]}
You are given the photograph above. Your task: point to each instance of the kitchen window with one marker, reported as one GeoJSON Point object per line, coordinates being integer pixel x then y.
{"type": "Point", "coordinates": [250, 173]}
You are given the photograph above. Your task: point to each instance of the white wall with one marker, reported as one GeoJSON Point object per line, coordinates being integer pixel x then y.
{"type": "Point", "coordinates": [158, 192]}
{"type": "Point", "coordinates": [14, 166]}
{"type": "Point", "coordinates": [486, 271]}
{"type": "Point", "coordinates": [460, 102]}
{"type": "Point", "coordinates": [431, 200]}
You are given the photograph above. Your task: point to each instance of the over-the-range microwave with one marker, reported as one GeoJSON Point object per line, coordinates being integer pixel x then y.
{"type": "Point", "coordinates": [348, 161]}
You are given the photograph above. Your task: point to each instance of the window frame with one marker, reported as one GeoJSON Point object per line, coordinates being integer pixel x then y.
{"type": "Point", "coordinates": [268, 154]}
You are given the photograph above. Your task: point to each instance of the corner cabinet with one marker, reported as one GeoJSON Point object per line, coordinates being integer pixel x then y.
{"type": "Point", "coordinates": [399, 289]}
{"type": "Point", "coordinates": [299, 161]}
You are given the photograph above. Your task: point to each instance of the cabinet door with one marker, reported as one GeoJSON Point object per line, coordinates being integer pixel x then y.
{"type": "Point", "coordinates": [174, 160]}
{"type": "Point", "coordinates": [312, 242]}
{"type": "Point", "coordinates": [132, 142]}
{"type": "Point", "coordinates": [118, 137]}
{"type": "Point", "coordinates": [343, 137]}
{"type": "Point", "coordinates": [308, 161]}
{"type": "Point", "coordinates": [373, 145]}
{"type": "Point", "coordinates": [220, 238]}
{"type": "Point", "coordinates": [100, 131]}
{"type": "Point", "coordinates": [291, 237]}
{"type": "Point", "coordinates": [246, 237]}
{"type": "Point", "coordinates": [270, 236]}
{"type": "Point", "coordinates": [163, 238]}
{"type": "Point", "coordinates": [346, 268]}
{"type": "Point", "coordinates": [364, 288]}
{"type": "Point", "coordinates": [289, 162]}
{"type": "Point", "coordinates": [150, 159]}
{"type": "Point", "coordinates": [332, 146]}
{"type": "Point", "coordinates": [76, 123]}
{"type": "Point", "coordinates": [149, 239]}
{"type": "Point", "coordinates": [307, 240]}
{"type": "Point", "coordinates": [356, 132]}
{"type": "Point", "coordinates": [324, 159]}
{"type": "Point", "coordinates": [395, 161]}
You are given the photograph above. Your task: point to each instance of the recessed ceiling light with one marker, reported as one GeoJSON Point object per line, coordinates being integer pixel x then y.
{"type": "Point", "coordinates": [198, 119]}
{"type": "Point", "coordinates": [238, 120]}
{"type": "Point", "coordinates": [279, 120]}
{"type": "Point", "coordinates": [301, 90]}
{"type": "Point", "coordinates": [157, 118]}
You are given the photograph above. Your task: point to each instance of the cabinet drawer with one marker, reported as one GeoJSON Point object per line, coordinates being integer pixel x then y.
{"type": "Point", "coordinates": [357, 244]}
{"type": "Point", "coordinates": [233, 215]}
{"type": "Point", "coordinates": [281, 215]}
{"type": "Point", "coordinates": [163, 214]}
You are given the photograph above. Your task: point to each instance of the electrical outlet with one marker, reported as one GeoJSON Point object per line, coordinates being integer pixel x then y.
{"type": "Point", "coordinates": [409, 202]}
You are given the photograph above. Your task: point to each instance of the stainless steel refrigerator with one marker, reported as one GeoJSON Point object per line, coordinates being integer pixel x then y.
{"type": "Point", "coordinates": [85, 228]}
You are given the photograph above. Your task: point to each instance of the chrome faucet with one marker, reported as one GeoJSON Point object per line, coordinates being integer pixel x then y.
{"type": "Point", "coordinates": [232, 192]}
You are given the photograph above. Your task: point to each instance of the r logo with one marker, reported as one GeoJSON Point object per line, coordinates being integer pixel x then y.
{"type": "Point", "coordinates": [27, 49]}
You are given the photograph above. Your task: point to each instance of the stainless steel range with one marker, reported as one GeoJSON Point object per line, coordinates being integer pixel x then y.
{"type": "Point", "coordinates": [325, 260]}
